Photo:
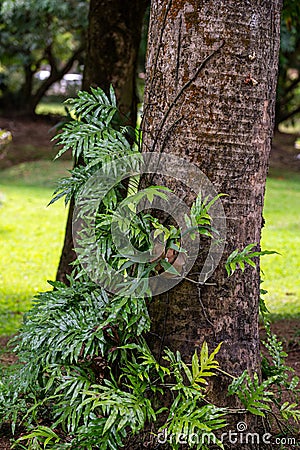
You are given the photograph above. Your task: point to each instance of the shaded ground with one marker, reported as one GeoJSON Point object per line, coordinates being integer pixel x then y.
{"type": "Point", "coordinates": [32, 141]}
{"type": "Point", "coordinates": [284, 154]}
{"type": "Point", "coordinates": [288, 331]}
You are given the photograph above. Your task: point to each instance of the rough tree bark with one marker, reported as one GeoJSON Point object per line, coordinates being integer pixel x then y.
{"type": "Point", "coordinates": [210, 97]}
{"type": "Point", "coordinates": [112, 49]}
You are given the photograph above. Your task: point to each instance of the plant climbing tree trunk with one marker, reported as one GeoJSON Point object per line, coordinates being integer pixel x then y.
{"type": "Point", "coordinates": [210, 97]}
{"type": "Point", "coordinates": [112, 50]}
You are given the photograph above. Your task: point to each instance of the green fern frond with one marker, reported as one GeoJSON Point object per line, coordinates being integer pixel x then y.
{"type": "Point", "coordinates": [94, 113]}
{"type": "Point", "coordinates": [41, 434]}
{"type": "Point", "coordinates": [290, 411]}
{"type": "Point", "coordinates": [189, 417]}
{"type": "Point", "coordinates": [239, 259]}
{"type": "Point", "coordinates": [203, 365]}
{"type": "Point", "coordinates": [253, 394]}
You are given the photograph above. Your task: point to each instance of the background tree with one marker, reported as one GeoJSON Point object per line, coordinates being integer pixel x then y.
{"type": "Point", "coordinates": [113, 42]}
{"type": "Point", "coordinates": [34, 34]}
{"type": "Point", "coordinates": [288, 93]}
{"type": "Point", "coordinates": [210, 98]}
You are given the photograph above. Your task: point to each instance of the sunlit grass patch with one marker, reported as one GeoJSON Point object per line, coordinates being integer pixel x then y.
{"type": "Point", "coordinates": [55, 108]}
{"type": "Point", "coordinates": [282, 233]}
{"type": "Point", "coordinates": [31, 237]}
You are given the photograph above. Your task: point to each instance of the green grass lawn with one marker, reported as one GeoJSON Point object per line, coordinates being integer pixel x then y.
{"type": "Point", "coordinates": [282, 233]}
{"type": "Point", "coordinates": [57, 108]}
{"type": "Point", "coordinates": [31, 237]}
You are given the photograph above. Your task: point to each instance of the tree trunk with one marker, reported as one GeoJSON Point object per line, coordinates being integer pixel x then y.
{"type": "Point", "coordinates": [26, 91]}
{"type": "Point", "coordinates": [112, 50]}
{"type": "Point", "coordinates": [210, 98]}
{"type": "Point", "coordinates": [113, 43]}
{"type": "Point", "coordinates": [55, 76]}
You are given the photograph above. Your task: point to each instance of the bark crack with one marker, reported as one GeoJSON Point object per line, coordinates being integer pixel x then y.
{"type": "Point", "coordinates": [162, 339]}
{"type": "Point", "coordinates": [179, 94]}
{"type": "Point", "coordinates": [157, 53]}
{"type": "Point", "coordinates": [178, 51]}
{"type": "Point", "coordinates": [204, 310]}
